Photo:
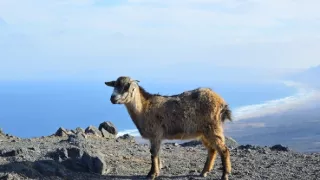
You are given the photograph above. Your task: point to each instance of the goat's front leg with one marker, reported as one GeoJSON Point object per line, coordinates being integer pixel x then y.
{"type": "Point", "coordinates": [154, 150]}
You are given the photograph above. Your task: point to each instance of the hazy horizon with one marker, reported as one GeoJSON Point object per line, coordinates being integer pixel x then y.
{"type": "Point", "coordinates": [70, 105]}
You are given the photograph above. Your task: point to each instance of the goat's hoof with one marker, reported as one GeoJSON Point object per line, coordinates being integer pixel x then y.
{"type": "Point", "coordinates": [204, 174]}
{"type": "Point", "coordinates": [152, 175]}
{"type": "Point", "coordinates": [225, 177]}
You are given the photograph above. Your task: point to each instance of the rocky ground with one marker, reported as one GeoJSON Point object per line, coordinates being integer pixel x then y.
{"type": "Point", "coordinates": [96, 153]}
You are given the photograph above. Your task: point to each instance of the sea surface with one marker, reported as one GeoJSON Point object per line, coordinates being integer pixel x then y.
{"type": "Point", "coordinates": [30, 109]}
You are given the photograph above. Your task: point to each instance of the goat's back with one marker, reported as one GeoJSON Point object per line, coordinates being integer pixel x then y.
{"type": "Point", "coordinates": [186, 113]}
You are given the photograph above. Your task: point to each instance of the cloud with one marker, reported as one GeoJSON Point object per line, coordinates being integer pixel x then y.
{"type": "Point", "coordinates": [88, 35]}
{"type": "Point", "coordinates": [174, 16]}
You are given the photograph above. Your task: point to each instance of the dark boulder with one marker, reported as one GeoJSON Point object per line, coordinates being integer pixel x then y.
{"type": "Point", "coordinates": [80, 160]}
{"type": "Point", "coordinates": [61, 132]}
{"type": "Point", "coordinates": [109, 127]}
{"type": "Point", "coordinates": [49, 168]}
{"type": "Point", "coordinates": [94, 162]}
{"type": "Point", "coordinates": [106, 134]}
{"type": "Point", "coordinates": [248, 146]}
{"type": "Point", "coordinates": [279, 147]}
{"type": "Point", "coordinates": [91, 130]}
{"type": "Point", "coordinates": [78, 130]}
{"type": "Point", "coordinates": [8, 153]}
{"type": "Point", "coordinates": [127, 137]}
{"type": "Point", "coordinates": [76, 139]}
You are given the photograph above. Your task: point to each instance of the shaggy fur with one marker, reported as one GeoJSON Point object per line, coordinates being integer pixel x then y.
{"type": "Point", "coordinates": [194, 114]}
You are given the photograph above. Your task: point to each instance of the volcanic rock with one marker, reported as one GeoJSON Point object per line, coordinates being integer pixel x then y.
{"type": "Point", "coordinates": [61, 132]}
{"type": "Point", "coordinates": [109, 127]}
{"type": "Point", "coordinates": [91, 130]}
{"type": "Point", "coordinates": [98, 158]}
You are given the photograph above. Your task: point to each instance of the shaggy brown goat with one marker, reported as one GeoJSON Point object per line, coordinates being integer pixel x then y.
{"type": "Point", "coordinates": [193, 114]}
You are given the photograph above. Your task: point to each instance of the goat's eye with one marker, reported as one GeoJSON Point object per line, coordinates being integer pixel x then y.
{"type": "Point", "coordinates": [126, 87]}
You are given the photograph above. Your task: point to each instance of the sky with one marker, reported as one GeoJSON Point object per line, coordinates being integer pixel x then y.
{"type": "Point", "coordinates": [167, 40]}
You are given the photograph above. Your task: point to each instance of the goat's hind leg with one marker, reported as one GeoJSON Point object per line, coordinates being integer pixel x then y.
{"type": "Point", "coordinates": [217, 142]}
{"type": "Point", "coordinates": [155, 164]}
{"type": "Point", "coordinates": [212, 154]}
{"type": "Point", "coordinates": [225, 157]}
{"type": "Point", "coordinates": [160, 163]}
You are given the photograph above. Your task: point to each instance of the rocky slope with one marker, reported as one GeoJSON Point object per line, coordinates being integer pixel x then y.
{"type": "Point", "coordinates": [96, 153]}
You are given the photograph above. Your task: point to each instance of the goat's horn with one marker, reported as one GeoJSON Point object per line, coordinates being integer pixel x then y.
{"type": "Point", "coordinates": [135, 81]}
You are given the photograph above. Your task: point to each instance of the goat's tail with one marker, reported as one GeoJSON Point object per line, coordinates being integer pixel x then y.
{"type": "Point", "coordinates": [226, 113]}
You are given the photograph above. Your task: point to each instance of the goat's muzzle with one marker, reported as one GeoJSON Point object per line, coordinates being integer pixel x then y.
{"type": "Point", "coordinates": [113, 99]}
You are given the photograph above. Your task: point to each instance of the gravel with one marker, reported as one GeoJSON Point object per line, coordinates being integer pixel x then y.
{"type": "Point", "coordinates": [87, 156]}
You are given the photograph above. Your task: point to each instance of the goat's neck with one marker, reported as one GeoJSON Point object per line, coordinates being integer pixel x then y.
{"type": "Point", "coordinates": [136, 107]}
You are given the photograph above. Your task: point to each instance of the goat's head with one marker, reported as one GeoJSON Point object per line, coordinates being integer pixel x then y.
{"type": "Point", "coordinates": [124, 89]}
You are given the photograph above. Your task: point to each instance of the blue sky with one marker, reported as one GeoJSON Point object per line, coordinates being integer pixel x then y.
{"type": "Point", "coordinates": [96, 39]}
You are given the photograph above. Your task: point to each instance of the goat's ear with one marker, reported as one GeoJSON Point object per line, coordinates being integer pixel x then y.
{"type": "Point", "coordinates": [110, 83]}
{"type": "Point", "coordinates": [137, 81]}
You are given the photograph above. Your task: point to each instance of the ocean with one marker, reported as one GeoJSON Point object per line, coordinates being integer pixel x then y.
{"type": "Point", "coordinates": [31, 109]}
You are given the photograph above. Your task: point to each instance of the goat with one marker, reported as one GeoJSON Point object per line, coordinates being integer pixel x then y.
{"type": "Point", "coordinates": [194, 114]}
